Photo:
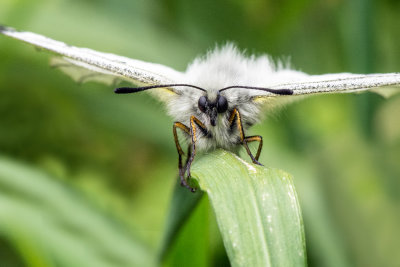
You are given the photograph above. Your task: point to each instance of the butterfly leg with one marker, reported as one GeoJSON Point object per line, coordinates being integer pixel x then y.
{"type": "Point", "coordinates": [189, 152]}
{"type": "Point", "coordinates": [193, 123]}
{"type": "Point", "coordinates": [256, 138]}
{"type": "Point", "coordinates": [235, 118]}
{"type": "Point", "coordinates": [185, 129]}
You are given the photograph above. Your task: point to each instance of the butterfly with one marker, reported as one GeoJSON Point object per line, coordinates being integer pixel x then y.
{"type": "Point", "coordinates": [219, 96]}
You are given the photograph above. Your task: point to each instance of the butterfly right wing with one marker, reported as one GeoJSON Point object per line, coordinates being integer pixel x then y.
{"type": "Point", "coordinates": [304, 85]}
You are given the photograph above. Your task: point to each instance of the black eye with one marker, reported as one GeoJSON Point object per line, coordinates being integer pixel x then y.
{"type": "Point", "coordinates": [222, 104]}
{"type": "Point", "coordinates": [202, 103]}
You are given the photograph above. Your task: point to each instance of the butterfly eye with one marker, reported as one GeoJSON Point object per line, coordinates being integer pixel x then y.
{"type": "Point", "coordinates": [202, 103]}
{"type": "Point", "coordinates": [222, 104]}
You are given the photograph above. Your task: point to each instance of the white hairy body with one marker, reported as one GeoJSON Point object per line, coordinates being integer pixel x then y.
{"type": "Point", "coordinates": [220, 68]}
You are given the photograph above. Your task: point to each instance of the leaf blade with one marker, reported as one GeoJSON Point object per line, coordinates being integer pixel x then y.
{"type": "Point", "coordinates": [256, 209]}
{"type": "Point", "coordinates": [183, 203]}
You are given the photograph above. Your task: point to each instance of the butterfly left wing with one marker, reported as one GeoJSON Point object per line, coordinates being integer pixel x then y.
{"type": "Point", "coordinates": [84, 64]}
{"type": "Point", "coordinates": [302, 85]}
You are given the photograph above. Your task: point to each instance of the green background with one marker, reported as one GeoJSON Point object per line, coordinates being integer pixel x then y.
{"type": "Point", "coordinates": [118, 154]}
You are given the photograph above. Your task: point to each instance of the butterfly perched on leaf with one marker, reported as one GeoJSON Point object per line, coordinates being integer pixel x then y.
{"type": "Point", "coordinates": [217, 98]}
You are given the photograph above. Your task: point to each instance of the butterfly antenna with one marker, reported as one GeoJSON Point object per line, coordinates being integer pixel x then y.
{"type": "Point", "coordinates": [128, 90]}
{"type": "Point", "coordinates": [274, 91]}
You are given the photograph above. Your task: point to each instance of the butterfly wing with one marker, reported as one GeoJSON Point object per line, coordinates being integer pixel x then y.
{"type": "Point", "coordinates": [302, 84]}
{"type": "Point", "coordinates": [84, 64]}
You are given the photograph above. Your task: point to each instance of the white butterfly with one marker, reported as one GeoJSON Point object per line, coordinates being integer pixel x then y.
{"type": "Point", "coordinates": [217, 98]}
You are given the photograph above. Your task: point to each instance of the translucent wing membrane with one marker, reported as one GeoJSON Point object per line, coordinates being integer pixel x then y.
{"type": "Point", "coordinates": [82, 72]}
{"type": "Point", "coordinates": [84, 64]}
{"type": "Point", "coordinates": [384, 84]}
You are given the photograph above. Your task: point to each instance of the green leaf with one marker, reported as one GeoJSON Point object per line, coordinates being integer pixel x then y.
{"type": "Point", "coordinates": [192, 245]}
{"type": "Point", "coordinates": [191, 236]}
{"type": "Point", "coordinates": [256, 208]}
{"type": "Point", "coordinates": [51, 224]}
{"type": "Point", "coordinates": [182, 205]}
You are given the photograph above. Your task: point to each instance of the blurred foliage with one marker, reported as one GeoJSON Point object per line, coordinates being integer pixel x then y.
{"type": "Point", "coordinates": [118, 152]}
{"type": "Point", "coordinates": [50, 224]}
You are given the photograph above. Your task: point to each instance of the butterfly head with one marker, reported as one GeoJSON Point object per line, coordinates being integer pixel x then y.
{"type": "Point", "coordinates": [212, 108]}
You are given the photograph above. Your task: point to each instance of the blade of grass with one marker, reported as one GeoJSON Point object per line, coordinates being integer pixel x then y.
{"type": "Point", "coordinates": [192, 246]}
{"type": "Point", "coordinates": [256, 209]}
{"type": "Point", "coordinates": [182, 204]}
